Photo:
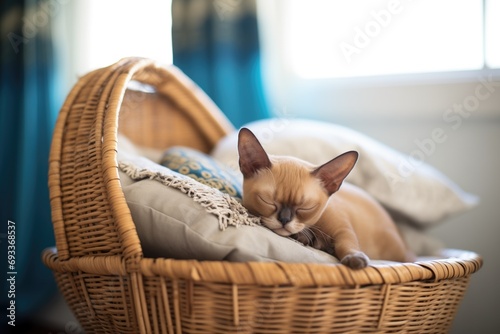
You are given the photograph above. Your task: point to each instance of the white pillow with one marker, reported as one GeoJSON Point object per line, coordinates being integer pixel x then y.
{"type": "Point", "coordinates": [417, 191]}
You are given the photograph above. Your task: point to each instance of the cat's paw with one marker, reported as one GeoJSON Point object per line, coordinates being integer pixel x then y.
{"type": "Point", "coordinates": [357, 260]}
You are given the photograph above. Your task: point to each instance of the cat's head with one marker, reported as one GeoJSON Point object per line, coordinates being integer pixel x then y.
{"type": "Point", "coordinates": [287, 193]}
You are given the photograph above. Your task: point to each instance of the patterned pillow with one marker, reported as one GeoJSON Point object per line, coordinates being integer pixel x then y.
{"type": "Point", "coordinates": [204, 169]}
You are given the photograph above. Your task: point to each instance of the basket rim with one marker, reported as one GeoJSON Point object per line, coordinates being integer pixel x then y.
{"type": "Point", "coordinates": [454, 264]}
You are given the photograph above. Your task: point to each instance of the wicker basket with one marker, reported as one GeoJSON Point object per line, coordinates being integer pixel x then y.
{"type": "Point", "coordinates": [112, 288]}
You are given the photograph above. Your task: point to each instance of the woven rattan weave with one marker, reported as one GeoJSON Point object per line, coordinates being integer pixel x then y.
{"type": "Point", "coordinates": [112, 288]}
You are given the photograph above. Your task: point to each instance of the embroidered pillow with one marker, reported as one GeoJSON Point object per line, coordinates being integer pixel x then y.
{"type": "Point", "coordinates": [204, 169]}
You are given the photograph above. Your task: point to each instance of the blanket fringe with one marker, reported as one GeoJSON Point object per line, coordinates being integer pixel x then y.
{"type": "Point", "coordinates": [227, 209]}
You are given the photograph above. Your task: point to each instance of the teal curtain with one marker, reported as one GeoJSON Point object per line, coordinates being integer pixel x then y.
{"type": "Point", "coordinates": [29, 105]}
{"type": "Point", "coordinates": [216, 43]}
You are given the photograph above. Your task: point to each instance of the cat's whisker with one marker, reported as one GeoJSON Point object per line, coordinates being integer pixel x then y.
{"type": "Point", "coordinates": [315, 229]}
{"type": "Point", "coordinates": [307, 235]}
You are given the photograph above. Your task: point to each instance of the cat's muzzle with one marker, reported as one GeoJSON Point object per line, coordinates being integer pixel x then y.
{"type": "Point", "coordinates": [285, 215]}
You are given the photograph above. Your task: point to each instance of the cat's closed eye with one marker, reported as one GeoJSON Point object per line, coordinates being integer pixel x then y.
{"type": "Point", "coordinates": [267, 202]}
{"type": "Point", "coordinates": [307, 209]}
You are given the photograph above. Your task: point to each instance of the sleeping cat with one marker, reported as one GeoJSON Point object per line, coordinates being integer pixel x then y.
{"type": "Point", "coordinates": [296, 199]}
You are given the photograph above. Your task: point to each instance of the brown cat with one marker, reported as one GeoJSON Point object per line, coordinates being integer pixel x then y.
{"type": "Point", "coordinates": [296, 199]}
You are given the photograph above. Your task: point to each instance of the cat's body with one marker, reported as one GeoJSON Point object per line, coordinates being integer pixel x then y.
{"type": "Point", "coordinates": [294, 198]}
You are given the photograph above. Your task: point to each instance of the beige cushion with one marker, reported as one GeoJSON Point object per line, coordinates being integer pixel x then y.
{"type": "Point", "coordinates": [203, 168]}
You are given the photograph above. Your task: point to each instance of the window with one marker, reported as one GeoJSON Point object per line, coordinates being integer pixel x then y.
{"type": "Point", "coordinates": [93, 34]}
{"type": "Point", "coordinates": [375, 60]}
{"type": "Point", "coordinates": [367, 37]}
{"type": "Point", "coordinates": [492, 36]}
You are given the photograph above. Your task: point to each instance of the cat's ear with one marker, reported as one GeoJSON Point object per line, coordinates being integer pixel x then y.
{"type": "Point", "coordinates": [252, 155]}
{"type": "Point", "coordinates": [333, 173]}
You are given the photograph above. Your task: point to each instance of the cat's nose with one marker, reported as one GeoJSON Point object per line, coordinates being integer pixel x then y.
{"type": "Point", "coordinates": [285, 215]}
